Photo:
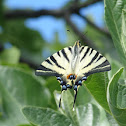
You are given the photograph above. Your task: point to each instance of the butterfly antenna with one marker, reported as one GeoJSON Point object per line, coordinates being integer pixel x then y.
{"type": "Point", "coordinates": [74, 37]}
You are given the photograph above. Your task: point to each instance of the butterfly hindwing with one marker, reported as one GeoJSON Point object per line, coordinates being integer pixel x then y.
{"type": "Point", "coordinates": [92, 61]}
{"type": "Point", "coordinates": [57, 64]}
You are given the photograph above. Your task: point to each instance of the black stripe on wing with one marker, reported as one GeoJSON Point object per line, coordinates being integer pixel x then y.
{"type": "Point", "coordinates": [70, 49]}
{"type": "Point", "coordinates": [99, 58]}
{"type": "Point", "coordinates": [81, 49]}
{"type": "Point", "coordinates": [105, 66]}
{"type": "Point", "coordinates": [42, 70]}
{"type": "Point", "coordinates": [85, 54]}
{"type": "Point", "coordinates": [64, 54]}
{"type": "Point", "coordinates": [96, 55]}
{"type": "Point", "coordinates": [91, 52]}
{"type": "Point", "coordinates": [54, 60]}
{"type": "Point", "coordinates": [105, 63]}
{"type": "Point", "coordinates": [48, 61]}
{"type": "Point", "coordinates": [58, 54]}
{"type": "Point", "coordinates": [47, 74]}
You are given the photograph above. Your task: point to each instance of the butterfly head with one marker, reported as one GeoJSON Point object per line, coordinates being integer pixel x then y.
{"type": "Point", "coordinates": [77, 44]}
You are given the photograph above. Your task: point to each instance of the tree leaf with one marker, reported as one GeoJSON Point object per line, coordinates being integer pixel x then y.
{"type": "Point", "coordinates": [83, 96]}
{"type": "Point", "coordinates": [24, 87]}
{"type": "Point", "coordinates": [52, 84]}
{"type": "Point", "coordinates": [10, 109]}
{"type": "Point", "coordinates": [112, 90]}
{"type": "Point", "coordinates": [121, 95]}
{"type": "Point", "coordinates": [10, 55]}
{"type": "Point", "coordinates": [115, 66]}
{"type": "Point", "coordinates": [26, 125]}
{"type": "Point", "coordinates": [111, 120]}
{"type": "Point", "coordinates": [67, 105]}
{"type": "Point", "coordinates": [45, 117]}
{"type": "Point", "coordinates": [88, 115]}
{"type": "Point", "coordinates": [81, 113]}
{"type": "Point", "coordinates": [115, 18]}
{"type": "Point", "coordinates": [97, 85]}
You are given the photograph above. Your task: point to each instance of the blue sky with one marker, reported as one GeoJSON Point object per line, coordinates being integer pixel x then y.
{"type": "Point", "coordinates": [46, 25]}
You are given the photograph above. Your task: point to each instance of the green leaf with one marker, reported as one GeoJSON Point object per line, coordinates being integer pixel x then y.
{"type": "Point", "coordinates": [25, 125]}
{"type": "Point", "coordinates": [111, 120]}
{"type": "Point", "coordinates": [67, 105]}
{"type": "Point", "coordinates": [81, 113]}
{"type": "Point", "coordinates": [24, 87]}
{"type": "Point", "coordinates": [115, 66]}
{"type": "Point", "coordinates": [97, 85]}
{"type": "Point", "coordinates": [88, 115]}
{"type": "Point", "coordinates": [112, 91]}
{"type": "Point", "coordinates": [45, 117]}
{"type": "Point", "coordinates": [121, 96]}
{"type": "Point", "coordinates": [83, 96]}
{"type": "Point", "coordinates": [10, 109]}
{"type": "Point", "coordinates": [116, 21]}
{"type": "Point", "coordinates": [10, 55]}
{"type": "Point", "coordinates": [52, 85]}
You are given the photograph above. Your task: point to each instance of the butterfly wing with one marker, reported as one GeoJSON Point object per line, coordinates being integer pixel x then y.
{"type": "Point", "coordinates": [92, 61]}
{"type": "Point", "coordinates": [57, 64]}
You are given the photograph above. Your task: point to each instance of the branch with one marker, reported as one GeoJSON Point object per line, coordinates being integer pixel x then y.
{"type": "Point", "coordinates": [32, 14]}
{"type": "Point", "coordinates": [79, 33]}
{"type": "Point", "coordinates": [96, 27]}
{"type": "Point", "coordinates": [31, 64]}
{"type": "Point", "coordinates": [57, 13]}
{"type": "Point", "coordinates": [1, 47]}
{"type": "Point", "coordinates": [76, 7]}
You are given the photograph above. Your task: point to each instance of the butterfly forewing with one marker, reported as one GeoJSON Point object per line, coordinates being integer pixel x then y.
{"type": "Point", "coordinates": [92, 61]}
{"type": "Point", "coordinates": [57, 64]}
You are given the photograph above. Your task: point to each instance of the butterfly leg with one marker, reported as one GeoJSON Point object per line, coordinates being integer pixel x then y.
{"type": "Point", "coordinates": [76, 86]}
{"type": "Point", "coordinates": [63, 87]}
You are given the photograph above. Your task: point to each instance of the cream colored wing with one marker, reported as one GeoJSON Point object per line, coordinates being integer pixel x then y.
{"type": "Point", "coordinates": [91, 62]}
{"type": "Point", "coordinates": [57, 64]}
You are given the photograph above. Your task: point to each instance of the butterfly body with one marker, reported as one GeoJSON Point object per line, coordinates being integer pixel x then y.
{"type": "Point", "coordinates": [72, 65]}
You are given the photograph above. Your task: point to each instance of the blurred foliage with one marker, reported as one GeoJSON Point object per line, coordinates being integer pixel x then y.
{"type": "Point", "coordinates": [19, 35]}
{"type": "Point", "coordinates": [1, 13]}
{"type": "Point", "coordinates": [101, 101]}
{"type": "Point", "coordinates": [10, 55]}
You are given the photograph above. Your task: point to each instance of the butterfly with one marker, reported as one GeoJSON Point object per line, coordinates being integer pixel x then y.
{"type": "Point", "coordinates": [72, 65]}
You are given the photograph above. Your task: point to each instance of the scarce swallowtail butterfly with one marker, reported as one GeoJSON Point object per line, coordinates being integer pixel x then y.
{"type": "Point", "coordinates": [72, 65]}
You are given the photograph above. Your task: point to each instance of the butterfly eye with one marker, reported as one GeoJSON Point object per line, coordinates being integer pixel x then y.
{"type": "Point", "coordinates": [74, 76]}
{"type": "Point", "coordinates": [84, 78]}
{"type": "Point", "coordinates": [71, 77]}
